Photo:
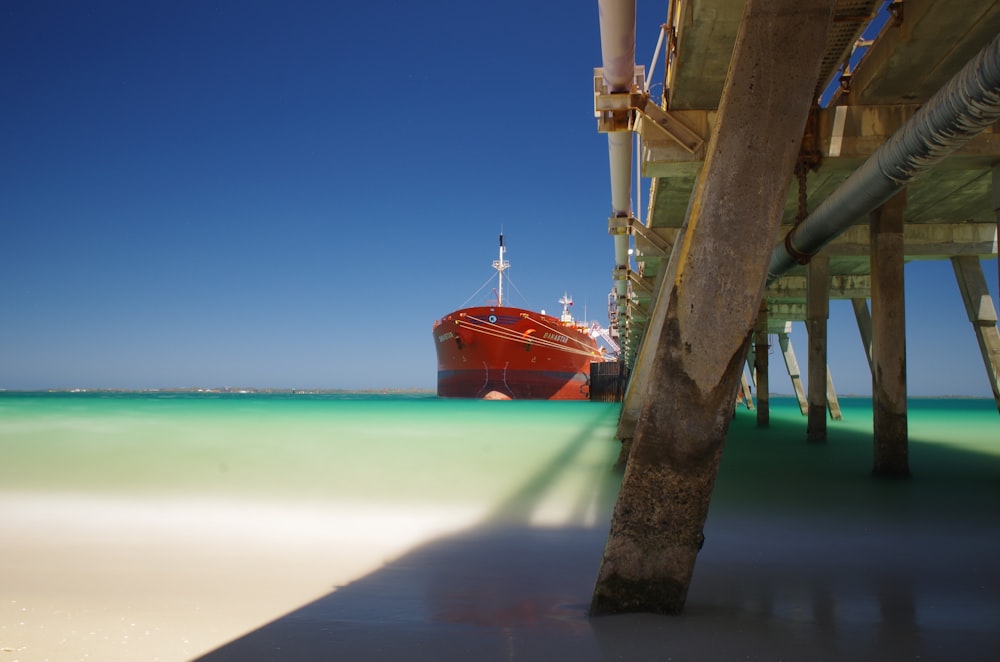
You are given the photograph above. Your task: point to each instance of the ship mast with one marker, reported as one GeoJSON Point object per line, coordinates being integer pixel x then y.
{"type": "Point", "coordinates": [566, 302]}
{"type": "Point", "coordinates": [500, 265]}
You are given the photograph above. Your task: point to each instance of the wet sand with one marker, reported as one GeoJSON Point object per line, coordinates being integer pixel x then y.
{"type": "Point", "coordinates": [807, 557]}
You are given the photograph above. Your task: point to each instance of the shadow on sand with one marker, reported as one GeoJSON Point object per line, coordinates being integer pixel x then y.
{"type": "Point", "coordinates": [807, 557]}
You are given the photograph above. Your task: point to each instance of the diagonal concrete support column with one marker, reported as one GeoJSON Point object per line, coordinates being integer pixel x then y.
{"type": "Point", "coordinates": [864, 319]}
{"type": "Point", "coordinates": [792, 366]}
{"type": "Point", "coordinates": [832, 403]}
{"type": "Point", "coordinates": [656, 529]}
{"type": "Point", "coordinates": [760, 367]}
{"type": "Point", "coordinates": [635, 391]}
{"type": "Point", "coordinates": [982, 314]}
{"type": "Point", "coordinates": [748, 386]}
{"type": "Point", "coordinates": [639, 382]}
{"type": "Point", "coordinates": [889, 340]}
{"type": "Point", "coordinates": [745, 391]}
{"type": "Point", "coordinates": [817, 312]}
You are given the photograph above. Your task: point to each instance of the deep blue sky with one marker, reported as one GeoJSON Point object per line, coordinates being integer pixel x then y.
{"type": "Point", "coordinates": [288, 194]}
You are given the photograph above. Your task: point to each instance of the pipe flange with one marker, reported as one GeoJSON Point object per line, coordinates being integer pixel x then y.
{"type": "Point", "coordinates": [796, 254]}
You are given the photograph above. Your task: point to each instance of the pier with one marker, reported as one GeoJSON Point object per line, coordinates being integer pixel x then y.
{"type": "Point", "coordinates": [802, 151]}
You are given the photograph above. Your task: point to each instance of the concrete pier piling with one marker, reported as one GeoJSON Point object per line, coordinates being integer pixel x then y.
{"type": "Point", "coordinates": [889, 339]}
{"type": "Point", "coordinates": [656, 529]}
{"type": "Point", "coordinates": [817, 312]}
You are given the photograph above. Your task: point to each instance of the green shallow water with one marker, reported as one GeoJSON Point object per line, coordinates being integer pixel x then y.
{"type": "Point", "coordinates": [954, 460]}
{"type": "Point", "coordinates": [416, 447]}
{"type": "Point", "coordinates": [366, 447]}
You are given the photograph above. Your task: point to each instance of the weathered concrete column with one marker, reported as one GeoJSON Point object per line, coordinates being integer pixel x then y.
{"type": "Point", "coordinates": [760, 367]}
{"type": "Point", "coordinates": [889, 339]}
{"type": "Point", "coordinates": [864, 319]}
{"type": "Point", "coordinates": [656, 529]}
{"type": "Point", "coordinates": [792, 366]}
{"type": "Point", "coordinates": [982, 314]}
{"type": "Point", "coordinates": [817, 312]}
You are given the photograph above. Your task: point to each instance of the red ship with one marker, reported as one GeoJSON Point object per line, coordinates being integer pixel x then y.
{"type": "Point", "coordinates": [505, 353]}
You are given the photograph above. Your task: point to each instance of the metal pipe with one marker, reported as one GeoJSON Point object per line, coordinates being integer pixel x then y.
{"type": "Point", "coordinates": [656, 56]}
{"type": "Point", "coordinates": [638, 178]}
{"type": "Point", "coordinates": [966, 105]}
{"type": "Point", "coordinates": [617, 43]}
{"type": "Point", "coordinates": [618, 60]}
{"type": "Point", "coordinates": [617, 19]}
{"type": "Point", "coordinates": [620, 161]}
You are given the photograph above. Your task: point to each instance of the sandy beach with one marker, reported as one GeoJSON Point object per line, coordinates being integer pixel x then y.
{"type": "Point", "coordinates": [86, 578]}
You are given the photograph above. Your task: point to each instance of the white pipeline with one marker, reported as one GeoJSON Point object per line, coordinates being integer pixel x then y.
{"type": "Point", "coordinates": [617, 43]}
{"type": "Point", "coordinates": [617, 19]}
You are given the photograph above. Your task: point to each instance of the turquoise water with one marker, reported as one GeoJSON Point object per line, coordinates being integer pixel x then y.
{"type": "Point", "coordinates": [359, 447]}
{"type": "Point", "coordinates": [369, 445]}
{"type": "Point", "coordinates": [419, 448]}
{"type": "Point", "coordinates": [954, 448]}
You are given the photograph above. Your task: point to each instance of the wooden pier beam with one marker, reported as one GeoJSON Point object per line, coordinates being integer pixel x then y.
{"type": "Point", "coordinates": [817, 312]}
{"type": "Point", "coordinates": [889, 340]}
{"type": "Point", "coordinates": [760, 367]}
{"type": "Point", "coordinates": [982, 314]}
{"type": "Point", "coordinates": [656, 529]}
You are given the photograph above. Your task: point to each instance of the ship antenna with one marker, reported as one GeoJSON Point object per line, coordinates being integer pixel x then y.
{"type": "Point", "coordinates": [500, 265]}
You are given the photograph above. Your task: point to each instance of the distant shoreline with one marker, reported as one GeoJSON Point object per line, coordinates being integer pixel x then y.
{"type": "Point", "coordinates": [248, 390]}
{"type": "Point", "coordinates": [231, 390]}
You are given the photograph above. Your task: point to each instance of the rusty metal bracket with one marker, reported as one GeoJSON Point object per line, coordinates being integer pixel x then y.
{"type": "Point", "coordinates": [810, 153]}
{"type": "Point", "coordinates": [845, 83]}
{"type": "Point", "coordinates": [619, 224]}
{"type": "Point", "coordinates": [615, 110]}
{"type": "Point", "coordinates": [896, 10]}
{"type": "Point", "coordinates": [620, 110]}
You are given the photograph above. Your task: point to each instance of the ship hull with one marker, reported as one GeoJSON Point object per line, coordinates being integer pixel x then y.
{"type": "Point", "coordinates": [511, 353]}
